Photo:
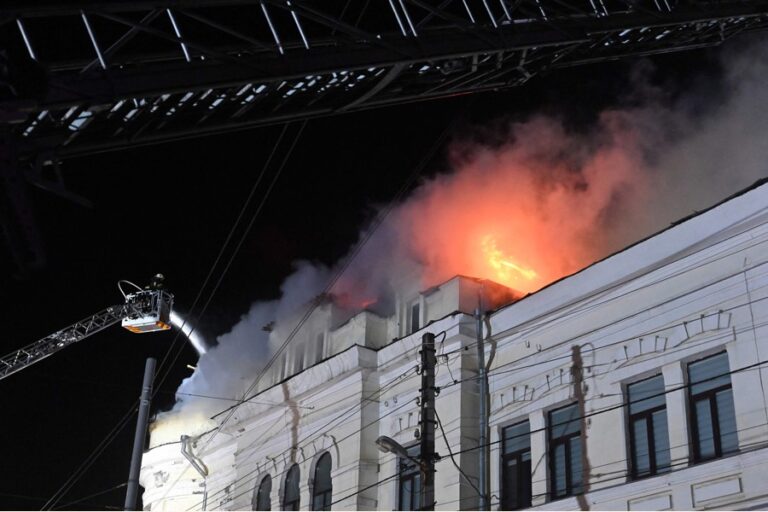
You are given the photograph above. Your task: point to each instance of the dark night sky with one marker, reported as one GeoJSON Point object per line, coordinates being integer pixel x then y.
{"type": "Point", "coordinates": [168, 209]}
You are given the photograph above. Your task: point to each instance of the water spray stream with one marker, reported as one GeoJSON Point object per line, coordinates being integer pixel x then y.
{"type": "Point", "coordinates": [189, 331]}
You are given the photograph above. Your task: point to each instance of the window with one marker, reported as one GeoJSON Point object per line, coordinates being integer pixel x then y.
{"type": "Point", "coordinates": [320, 346]}
{"type": "Point", "coordinates": [648, 436]}
{"type": "Point", "coordinates": [516, 467]}
{"type": "Point", "coordinates": [291, 496]}
{"type": "Point", "coordinates": [409, 483]}
{"type": "Point", "coordinates": [565, 452]}
{"type": "Point", "coordinates": [415, 314]}
{"type": "Point", "coordinates": [322, 491]}
{"type": "Point", "coordinates": [713, 419]}
{"type": "Point", "coordinates": [263, 501]}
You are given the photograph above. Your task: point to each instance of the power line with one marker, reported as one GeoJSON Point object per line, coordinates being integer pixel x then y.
{"type": "Point", "coordinates": [121, 424]}
{"type": "Point", "coordinates": [450, 453]}
{"type": "Point", "coordinates": [621, 405]}
{"type": "Point", "coordinates": [357, 406]}
{"type": "Point", "coordinates": [80, 500]}
{"type": "Point", "coordinates": [608, 409]}
{"type": "Point", "coordinates": [88, 462]}
{"type": "Point", "coordinates": [219, 256]}
{"type": "Point", "coordinates": [512, 412]}
{"type": "Point", "coordinates": [683, 348]}
{"type": "Point", "coordinates": [618, 342]}
{"type": "Point", "coordinates": [377, 222]}
{"type": "Point", "coordinates": [543, 318]}
{"type": "Point", "coordinates": [306, 442]}
{"type": "Point", "coordinates": [287, 468]}
{"type": "Point", "coordinates": [537, 364]}
{"type": "Point", "coordinates": [239, 244]}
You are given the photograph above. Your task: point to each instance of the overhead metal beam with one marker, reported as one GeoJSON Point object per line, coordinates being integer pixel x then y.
{"type": "Point", "coordinates": [211, 66]}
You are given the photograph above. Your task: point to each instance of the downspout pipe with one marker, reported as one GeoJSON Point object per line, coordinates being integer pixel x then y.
{"type": "Point", "coordinates": [197, 463]}
{"type": "Point", "coordinates": [483, 412]}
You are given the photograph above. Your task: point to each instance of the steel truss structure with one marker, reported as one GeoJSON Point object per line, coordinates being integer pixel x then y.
{"type": "Point", "coordinates": [45, 347]}
{"type": "Point", "coordinates": [83, 77]}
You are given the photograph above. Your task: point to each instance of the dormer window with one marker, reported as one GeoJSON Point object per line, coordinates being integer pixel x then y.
{"type": "Point", "coordinates": [414, 317]}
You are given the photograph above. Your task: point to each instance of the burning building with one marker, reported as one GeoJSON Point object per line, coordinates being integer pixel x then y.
{"type": "Point", "coordinates": [635, 383]}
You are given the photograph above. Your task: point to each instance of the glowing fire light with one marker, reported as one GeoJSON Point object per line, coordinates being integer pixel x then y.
{"type": "Point", "coordinates": [506, 270]}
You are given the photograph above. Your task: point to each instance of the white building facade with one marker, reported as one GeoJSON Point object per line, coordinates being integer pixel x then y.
{"type": "Point", "coordinates": [635, 384]}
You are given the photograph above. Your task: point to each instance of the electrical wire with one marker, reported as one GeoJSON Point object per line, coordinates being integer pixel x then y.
{"type": "Point", "coordinates": [320, 431]}
{"type": "Point", "coordinates": [122, 423]}
{"type": "Point", "coordinates": [88, 462]}
{"type": "Point", "coordinates": [684, 348]}
{"type": "Point", "coordinates": [377, 222]}
{"type": "Point", "coordinates": [622, 474]}
{"type": "Point", "coordinates": [372, 397]}
{"type": "Point", "coordinates": [255, 383]}
{"type": "Point", "coordinates": [80, 500]}
{"type": "Point", "coordinates": [288, 467]}
{"type": "Point", "coordinates": [234, 254]}
{"type": "Point", "coordinates": [618, 342]}
{"type": "Point", "coordinates": [220, 255]}
{"type": "Point", "coordinates": [575, 418]}
{"type": "Point", "coordinates": [548, 319]}
{"type": "Point", "coordinates": [545, 318]}
{"type": "Point", "coordinates": [374, 226]}
{"type": "Point", "coordinates": [622, 405]}
{"type": "Point", "coordinates": [450, 453]}
{"type": "Point", "coordinates": [683, 463]}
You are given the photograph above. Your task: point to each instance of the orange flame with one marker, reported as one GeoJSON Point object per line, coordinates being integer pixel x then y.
{"type": "Point", "coordinates": [507, 271]}
{"type": "Point", "coordinates": [523, 214]}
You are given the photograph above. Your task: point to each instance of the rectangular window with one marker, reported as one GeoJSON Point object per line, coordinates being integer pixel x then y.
{"type": "Point", "coordinates": [648, 436]}
{"type": "Point", "coordinates": [320, 346]}
{"type": "Point", "coordinates": [713, 418]}
{"type": "Point", "coordinates": [414, 313]}
{"type": "Point", "coordinates": [516, 467]}
{"type": "Point", "coordinates": [409, 481]}
{"type": "Point", "coordinates": [565, 452]}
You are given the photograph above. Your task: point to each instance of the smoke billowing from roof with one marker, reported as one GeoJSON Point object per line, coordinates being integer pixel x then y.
{"type": "Point", "coordinates": [541, 204]}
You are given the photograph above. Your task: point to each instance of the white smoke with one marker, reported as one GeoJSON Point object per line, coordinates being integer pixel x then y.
{"type": "Point", "coordinates": [682, 157]}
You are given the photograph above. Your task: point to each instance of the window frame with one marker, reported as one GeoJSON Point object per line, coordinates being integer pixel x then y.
{"type": "Point", "coordinates": [647, 416]}
{"type": "Point", "coordinates": [711, 396]}
{"type": "Point", "coordinates": [552, 443]}
{"type": "Point", "coordinates": [265, 479]}
{"type": "Point", "coordinates": [326, 495]}
{"type": "Point", "coordinates": [518, 456]}
{"type": "Point", "coordinates": [284, 502]}
{"type": "Point", "coordinates": [409, 472]}
{"type": "Point", "coordinates": [414, 316]}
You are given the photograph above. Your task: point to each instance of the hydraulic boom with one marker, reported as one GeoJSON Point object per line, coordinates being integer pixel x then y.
{"type": "Point", "coordinates": [143, 311]}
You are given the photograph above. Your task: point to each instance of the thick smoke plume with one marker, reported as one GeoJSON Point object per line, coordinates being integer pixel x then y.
{"type": "Point", "coordinates": [544, 203]}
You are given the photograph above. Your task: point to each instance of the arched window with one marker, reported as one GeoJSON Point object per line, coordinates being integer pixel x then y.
{"type": "Point", "coordinates": [262, 501]}
{"type": "Point", "coordinates": [322, 490]}
{"type": "Point", "coordinates": [291, 497]}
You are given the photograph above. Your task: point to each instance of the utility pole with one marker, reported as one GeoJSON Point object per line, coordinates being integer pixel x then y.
{"type": "Point", "coordinates": [132, 492]}
{"type": "Point", "coordinates": [483, 412]}
{"type": "Point", "coordinates": [427, 457]}
{"type": "Point", "coordinates": [578, 392]}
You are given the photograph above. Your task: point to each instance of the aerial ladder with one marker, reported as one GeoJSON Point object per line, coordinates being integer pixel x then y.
{"type": "Point", "coordinates": [144, 310]}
